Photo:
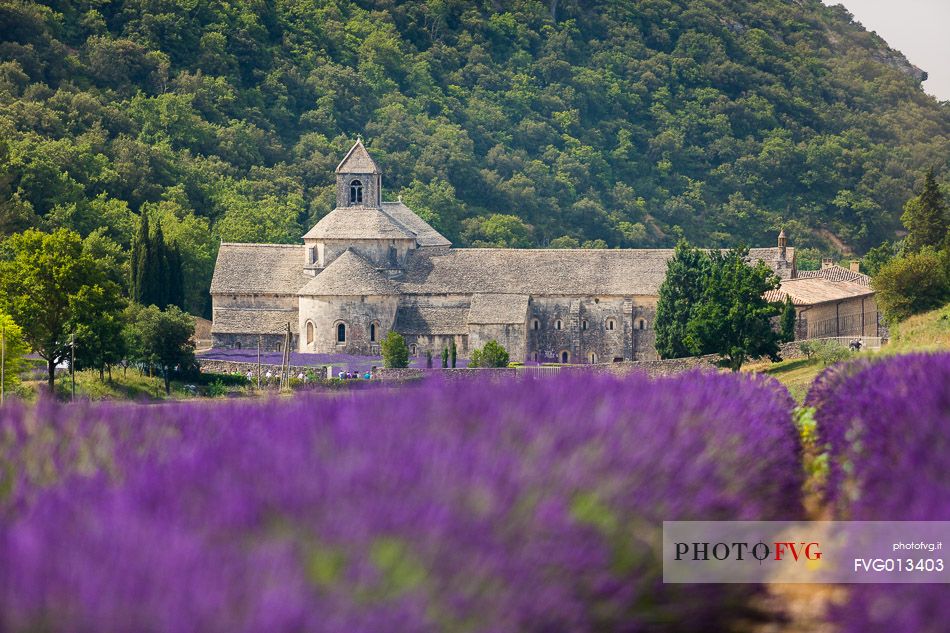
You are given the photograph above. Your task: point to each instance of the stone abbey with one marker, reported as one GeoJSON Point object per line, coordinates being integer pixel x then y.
{"type": "Point", "coordinates": [370, 266]}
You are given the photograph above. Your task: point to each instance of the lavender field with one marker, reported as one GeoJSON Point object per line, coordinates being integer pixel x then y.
{"type": "Point", "coordinates": [887, 426]}
{"type": "Point", "coordinates": [459, 506]}
{"type": "Point", "coordinates": [520, 506]}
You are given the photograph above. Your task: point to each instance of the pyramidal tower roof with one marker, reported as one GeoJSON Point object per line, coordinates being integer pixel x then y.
{"type": "Point", "coordinates": [357, 161]}
{"type": "Point", "coordinates": [349, 275]}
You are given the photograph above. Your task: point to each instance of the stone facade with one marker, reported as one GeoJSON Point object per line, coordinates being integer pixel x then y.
{"type": "Point", "coordinates": [370, 266]}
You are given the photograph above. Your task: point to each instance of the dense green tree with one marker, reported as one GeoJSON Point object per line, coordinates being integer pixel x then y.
{"type": "Point", "coordinates": [733, 318]}
{"type": "Point", "coordinates": [877, 257]}
{"type": "Point", "coordinates": [395, 351]}
{"type": "Point", "coordinates": [15, 348]}
{"type": "Point", "coordinates": [681, 291]}
{"type": "Point", "coordinates": [926, 218]}
{"type": "Point", "coordinates": [492, 354]}
{"type": "Point", "coordinates": [41, 275]}
{"type": "Point", "coordinates": [160, 338]}
{"type": "Point", "coordinates": [787, 323]}
{"type": "Point", "coordinates": [97, 323]}
{"type": "Point", "coordinates": [913, 283]}
{"type": "Point", "coordinates": [504, 124]}
{"type": "Point", "coordinates": [157, 277]}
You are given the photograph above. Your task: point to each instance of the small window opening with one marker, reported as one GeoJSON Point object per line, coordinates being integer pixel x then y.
{"type": "Point", "coordinates": [356, 192]}
{"type": "Point", "coordinates": [372, 332]}
{"type": "Point", "coordinates": [341, 333]}
{"type": "Point", "coordinates": [557, 324]}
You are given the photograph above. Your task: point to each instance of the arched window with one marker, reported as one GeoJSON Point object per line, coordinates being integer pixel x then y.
{"type": "Point", "coordinates": [535, 324]}
{"type": "Point", "coordinates": [565, 356]}
{"type": "Point", "coordinates": [642, 324]}
{"type": "Point", "coordinates": [593, 358]}
{"type": "Point", "coordinates": [372, 332]}
{"type": "Point", "coordinates": [558, 324]}
{"type": "Point", "coordinates": [584, 324]}
{"type": "Point", "coordinates": [309, 332]}
{"type": "Point", "coordinates": [610, 324]}
{"type": "Point", "coordinates": [341, 333]}
{"type": "Point", "coordinates": [412, 350]}
{"type": "Point", "coordinates": [356, 192]}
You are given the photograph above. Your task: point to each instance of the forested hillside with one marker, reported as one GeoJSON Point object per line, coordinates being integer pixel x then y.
{"type": "Point", "coordinates": [564, 122]}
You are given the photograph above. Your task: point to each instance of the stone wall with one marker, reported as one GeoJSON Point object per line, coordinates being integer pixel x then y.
{"type": "Point", "coordinates": [653, 368]}
{"type": "Point", "coordinates": [236, 367]}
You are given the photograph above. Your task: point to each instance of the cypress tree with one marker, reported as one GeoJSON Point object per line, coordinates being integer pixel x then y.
{"type": "Point", "coordinates": [138, 258]}
{"type": "Point", "coordinates": [176, 278]}
{"type": "Point", "coordinates": [681, 291]}
{"type": "Point", "coordinates": [160, 270]}
{"type": "Point", "coordinates": [445, 358]}
{"type": "Point", "coordinates": [925, 217]}
{"type": "Point", "coordinates": [788, 321]}
{"type": "Point", "coordinates": [453, 353]}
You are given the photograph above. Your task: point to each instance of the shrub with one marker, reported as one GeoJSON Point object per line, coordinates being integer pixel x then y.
{"type": "Point", "coordinates": [831, 352]}
{"type": "Point", "coordinates": [914, 283]}
{"type": "Point", "coordinates": [395, 351]}
{"type": "Point", "coordinates": [886, 427]}
{"type": "Point", "coordinates": [469, 505]}
{"type": "Point", "coordinates": [491, 355]}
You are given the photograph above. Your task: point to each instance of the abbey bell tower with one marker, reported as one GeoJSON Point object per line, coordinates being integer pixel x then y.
{"type": "Point", "coordinates": [358, 180]}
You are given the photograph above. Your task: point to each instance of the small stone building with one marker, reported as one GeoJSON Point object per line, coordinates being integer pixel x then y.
{"type": "Point", "coordinates": [370, 266]}
{"type": "Point", "coordinates": [832, 302]}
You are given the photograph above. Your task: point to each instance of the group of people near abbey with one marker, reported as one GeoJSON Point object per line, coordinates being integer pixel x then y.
{"type": "Point", "coordinates": [371, 266]}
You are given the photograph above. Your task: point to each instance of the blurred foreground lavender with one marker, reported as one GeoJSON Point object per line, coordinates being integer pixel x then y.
{"type": "Point", "coordinates": [887, 425]}
{"type": "Point", "coordinates": [464, 506]}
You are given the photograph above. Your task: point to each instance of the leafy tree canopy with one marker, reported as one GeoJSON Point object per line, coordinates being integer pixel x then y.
{"type": "Point", "coordinates": [506, 124]}
{"type": "Point", "coordinates": [914, 283]}
{"type": "Point", "coordinates": [42, 275]}
{"type": "Point", "coordinates": [492, 354]}
{"type": "Point", "coordinates": [713, 303]}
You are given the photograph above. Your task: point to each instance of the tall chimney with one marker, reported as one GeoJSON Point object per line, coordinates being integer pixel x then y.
{"type": "Point", "coordinates": [827, 262]}
{"type": "Point", "coordinates": [855, 265]}
{"type": "Point", "coordinates": [782, 243]}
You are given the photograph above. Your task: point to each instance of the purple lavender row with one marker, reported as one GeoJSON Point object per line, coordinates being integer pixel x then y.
{"type": "Point", "coordinates": [887, 426]}
{"type": "Point", "coordinates": [514, 506]}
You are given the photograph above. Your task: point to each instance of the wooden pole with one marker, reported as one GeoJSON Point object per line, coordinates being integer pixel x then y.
{"type": "Point", "coordinates": [286, 364]}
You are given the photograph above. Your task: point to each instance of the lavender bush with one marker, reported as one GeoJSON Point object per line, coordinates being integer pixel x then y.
{"type": "Point", "coordinates": [887, 426]}
{"type": "Point", "coordinates": [462, 506]}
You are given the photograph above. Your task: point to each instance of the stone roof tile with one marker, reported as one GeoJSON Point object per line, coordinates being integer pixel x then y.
{"type": "Point", "coordinates": [357, 161]}
{"type": "Point", "coordinates": [425, 234]}
{"type": "Point", "coordinates": [589, 272]}
{"type": "Point", "coordinates": [836, 273]}
{"type": "Point", "coordinates": [359, 223]}
{"type": "Point", "coordinates": [258, 269]}
{"type": "Point", "coordinates": [412, 318]}
{"type": "Point", "coordinates": [253, 321]}
{"type": "Point", "coordinates": [498, 309]}
{"type": "Point", "coordinates": [349, 275]}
